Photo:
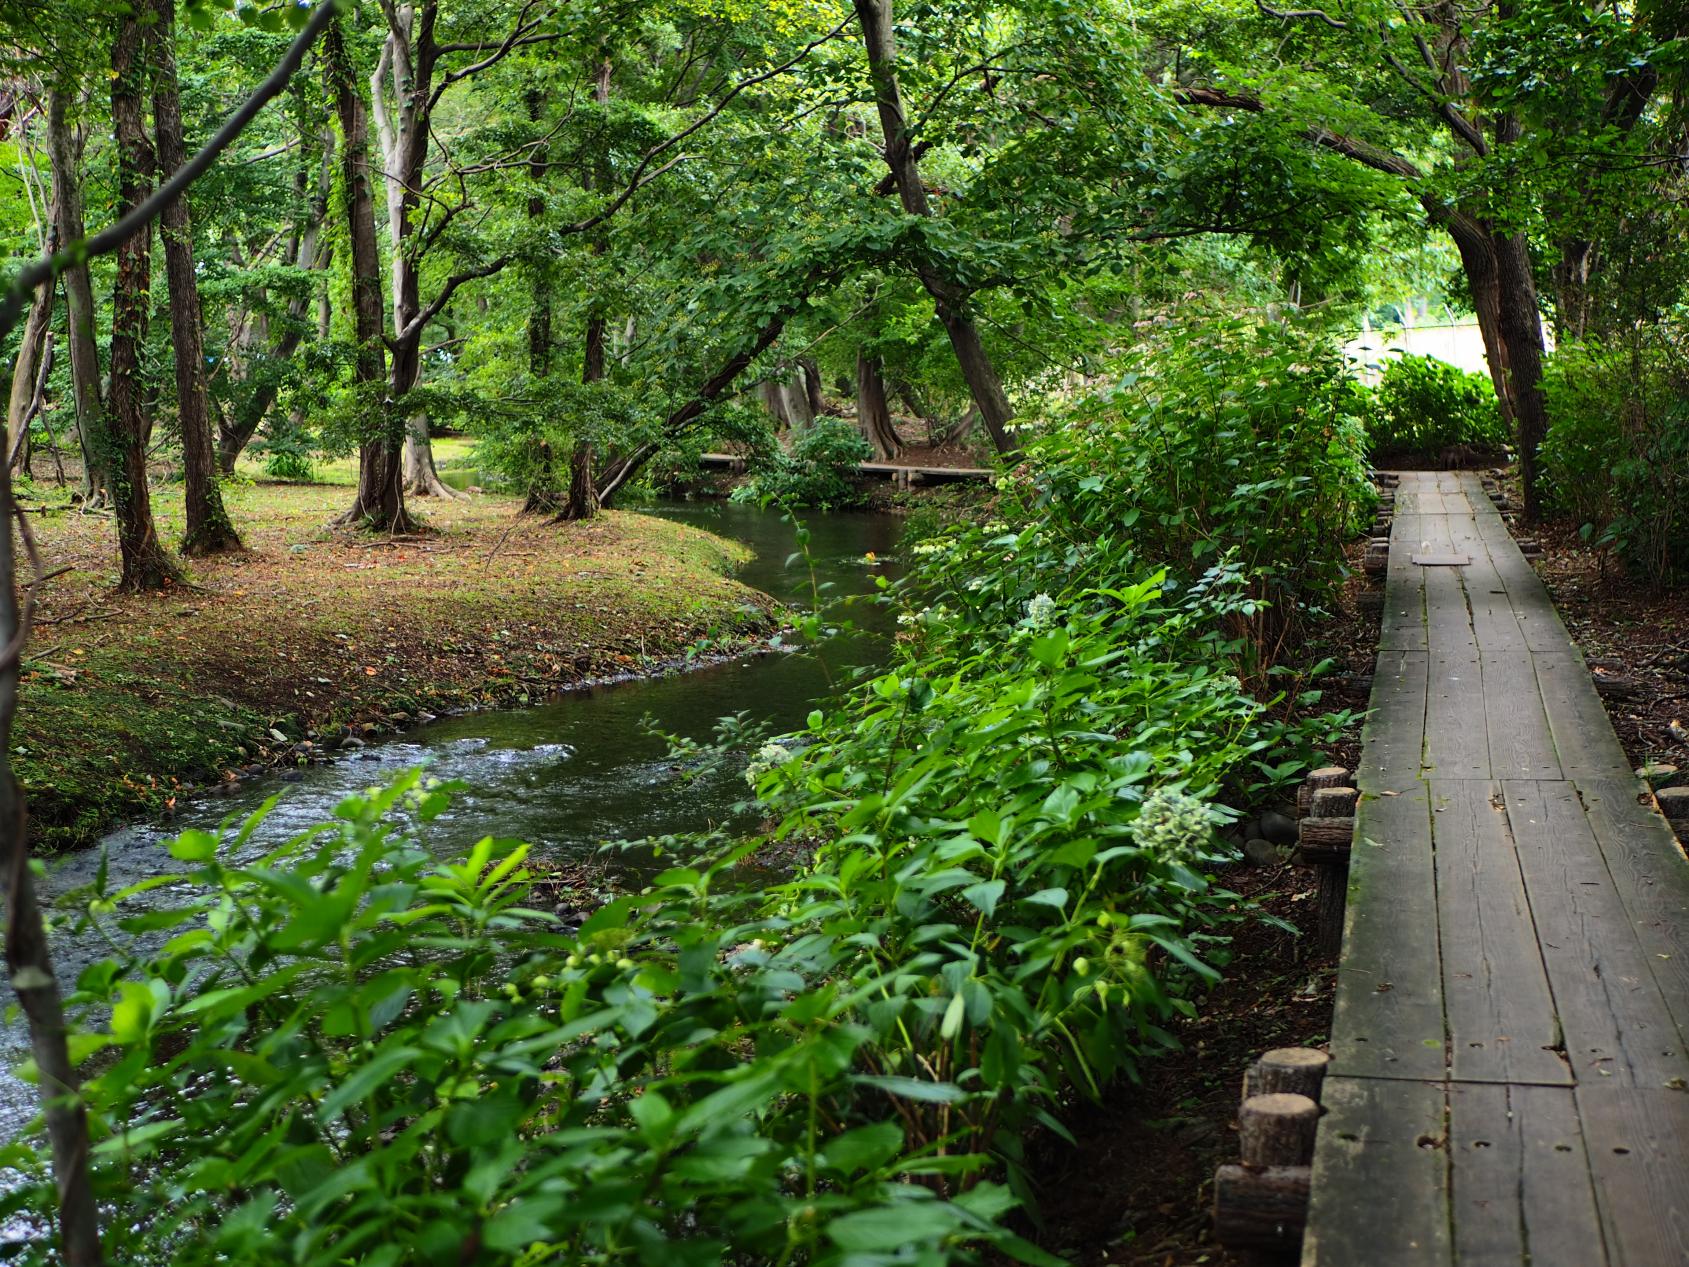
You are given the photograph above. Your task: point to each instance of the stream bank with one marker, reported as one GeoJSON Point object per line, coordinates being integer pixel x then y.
{"type": "Point", "coordinates": [312, 641]}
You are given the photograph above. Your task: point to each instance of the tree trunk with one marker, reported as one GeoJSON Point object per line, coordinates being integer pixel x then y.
{"type": "Point", "coordinates": [812, 385]}
{"type": "Point", "coordinates": [949, 299]}
{"type": "Point", "coordinates": [64, 147]}
{"type": "Point", "coordinates": [402, 129]}
{"type": "Point", "coordinates": [873, 415]}
{"type": "Point", "coordinates": [1472, 238]}
{"type": "Point", "coordinates": [582, 499]}
{"type": "Point", "coordinates": [33, 352]}
{"type": "Point", "coordinates": [1521, 332]}
{"type": "Point", "coordinates": [146, 566]}
{"type": "Point", "coordinates": [380, 502]}
{"type": "Point", "coordinates": [208, 528]}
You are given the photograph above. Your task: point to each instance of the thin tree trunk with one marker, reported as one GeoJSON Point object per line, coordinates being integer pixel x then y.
{"type": "Point", "coordinates": [873, 414]}
{"type": "Point", "coordinates": [64, 150]}
{"type": "Point", "coordinates": [22, 450]}
{"type": "Point", "coordinates": [33, 350]}
{"type": "Point", "coordinates": [543, 497]}
{"type": "Point", "coordinates": [582, 499]}
{"type": "Point", "coordinates": [949, 299]}
{"type": "Point", "coordinates": [146, 566]}
{"type": "Point", "coordinates": [208, 528]}
{"type": "Point", "coordinates": [29, 962]}
{"type": "Point", "coordinates": [380, 501]}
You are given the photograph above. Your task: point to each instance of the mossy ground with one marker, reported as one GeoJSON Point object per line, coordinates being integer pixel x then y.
{"type": "Point", "coordinates": [127, 699]}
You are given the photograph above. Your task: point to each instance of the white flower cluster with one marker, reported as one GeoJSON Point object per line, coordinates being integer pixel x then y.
{"type": "Point", "coordinates": [996, 527]}
{"type": "Point", "coordinates": [1228, 685]}
{"type": "Point", "coordinates": [1173, 826]}
{"type": "Point", "coordinates": [770, 756]}
{"type": "Point", "coordinates": [1040, 611]}
{"type": "Point", "coordinates": [937, 546]}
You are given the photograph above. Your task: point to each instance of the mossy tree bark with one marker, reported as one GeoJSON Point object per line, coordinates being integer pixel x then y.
{"type": "Point", "coordinates": [146, 565]}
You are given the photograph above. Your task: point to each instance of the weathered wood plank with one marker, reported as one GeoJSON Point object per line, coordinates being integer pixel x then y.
{"type": "Point", "coordinates": [1615, 1022]}
{"type": "Point", "coordinates": [1520, 1180]}
{"type": "Point", "coordinates": [1402, 626]}
{"type": "Point", "coordinates": [1651, 877]}
{"type": "Point", "coordinates": [1393, 737]}
{"type": "Point", "coordinates": [1584, 742]}
{"type": "Point", "coordinates": [1638, 1143]}
{"type": "Point", "coordinates": [1521, 744]}
{"type": "Point", "coordinates": [1499, 1010]}
{"type": "Point", "coordinates": [1456, 731]}
{"type": "Point", "coordinates": [1380, 1186]}
{"type": "Point", "coordinates": [1388, 1016]}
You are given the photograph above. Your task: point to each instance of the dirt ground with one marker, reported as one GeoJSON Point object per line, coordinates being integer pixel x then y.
{"type": "Point", "coordinates": [1629, 632]}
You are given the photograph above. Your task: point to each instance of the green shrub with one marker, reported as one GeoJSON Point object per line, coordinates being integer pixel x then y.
{"type": "Point", "coordinates": [1237, 443]}
{"type": "Point", "coordinates": [1423, 406]}
{"type": "Point", "coordinates": [818, 471]}
{"type": "Point", "coordinates": [1616, 457]}
{"type": "Point", "coordinates": [287, 453]}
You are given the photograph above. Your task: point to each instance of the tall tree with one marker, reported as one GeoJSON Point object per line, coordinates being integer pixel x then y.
{"type": "Point", "coordinates": [64, 151]}
{"type": "Point", "coordinates": [146, 564]}
{"type": "Point", "coordinates": [209, 530]}
{"type": "Point", "coordinates": [380, 501]}
{"type": "Point", "coordinates": [949, 298]}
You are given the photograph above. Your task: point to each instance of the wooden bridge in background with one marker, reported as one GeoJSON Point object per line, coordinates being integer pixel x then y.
{"type": "Point", "coordinates": [902, 474]}
{"type": "Point", "coordinates": [1509, 1076]}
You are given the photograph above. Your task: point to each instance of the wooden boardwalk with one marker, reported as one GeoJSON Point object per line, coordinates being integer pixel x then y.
{"type": "Point", "coordinates": [1510, 1050]}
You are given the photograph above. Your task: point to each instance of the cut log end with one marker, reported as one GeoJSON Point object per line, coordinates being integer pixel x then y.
{"type": "Point", "coordinates": [1260, 1208]}
{"type": "Point", "coordinates": [1287, 1070]}
{"type": "Point", "coordinates": [1277, 1129]}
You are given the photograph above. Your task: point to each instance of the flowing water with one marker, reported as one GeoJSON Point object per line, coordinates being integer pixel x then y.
{"type": "Point", "coordinates": [567, 775]}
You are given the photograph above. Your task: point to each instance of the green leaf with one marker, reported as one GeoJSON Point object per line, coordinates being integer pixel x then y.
{"type": "Point", "coordinates": [193, 845]}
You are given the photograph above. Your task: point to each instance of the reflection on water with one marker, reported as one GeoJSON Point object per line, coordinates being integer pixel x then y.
{"type": "Point", "coordinates": [566, 775]}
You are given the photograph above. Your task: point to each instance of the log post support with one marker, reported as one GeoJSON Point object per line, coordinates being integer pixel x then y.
{"type": "Point", "coordinates": [1324, 777]}
{"type": "Point", "coordinates": [1262, 1202]}
{"type": "Point", "coordinates": [1325, 838]}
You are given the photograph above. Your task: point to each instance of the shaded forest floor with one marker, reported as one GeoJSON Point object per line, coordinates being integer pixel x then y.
{"type": "Point", "coordinates": [312, 639]}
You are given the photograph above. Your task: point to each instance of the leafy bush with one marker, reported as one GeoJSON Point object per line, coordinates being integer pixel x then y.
{"type": "Point", "coordinates": [818, 471]}
{"type": "Point", "coordinates": [1616, 457]}
{"type": "Point", "coordinates": [1423, 406]}
{"type": "Point", "coordinates": [1237, 442]}
{"type": "Point", "coordinates": [287, 452]}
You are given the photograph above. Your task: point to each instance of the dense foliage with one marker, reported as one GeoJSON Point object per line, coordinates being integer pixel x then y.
{"type": "Point", "coordinates": [1427, 409]}
{"type": "Point", "coordinates": [1014, 883]}
{"type": "Point", "coordinates": [1617, 453]}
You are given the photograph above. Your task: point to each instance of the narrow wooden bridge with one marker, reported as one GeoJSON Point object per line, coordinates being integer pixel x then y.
{"type": "Point", "coordinates": [903, 474]}
{"type": "Point", "coordinates": [1509, 1080]}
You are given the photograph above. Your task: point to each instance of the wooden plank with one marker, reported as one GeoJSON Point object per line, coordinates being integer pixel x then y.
{"type": "Point", "coordinates": [1459, 560]}
{"type": "Point", "coordinates": [1393, 737]}
{"type": "Point", "coordinates": [1520, 1185]}
{"type": "Point", "coordinates": [1380, 1183]}
{"type": "Point", "coordinates": [1638, 1143]}
{"type": "Point", "coordinates": [1651, 877]}
{"type": "Point", "coordinates": [1521, 745]}
{"type": "Point", "coordinates": [1496, 1000]}
{"type": "Point", "coordinates": [1584, 742]}
{"type": "Point", "coordinates": [1388, 1016]}
{"type": "Point", "coordinates": [1456, 735]}
{"type": "Point", "coordinates": [1532, 607]}
{"type": "Point", "coordinates": [1402, 627]}
{"type": "Point", "coordinates": [1448, 620]}
{"type": "Point", "coordinates": [1614, 1021]}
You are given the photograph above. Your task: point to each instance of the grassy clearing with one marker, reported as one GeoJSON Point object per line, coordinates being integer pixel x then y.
{"type": "Point", "coordinates": [127, 699]}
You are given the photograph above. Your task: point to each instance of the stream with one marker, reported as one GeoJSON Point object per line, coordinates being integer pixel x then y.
{"type": "Point", "coordinates": [566, 775]}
